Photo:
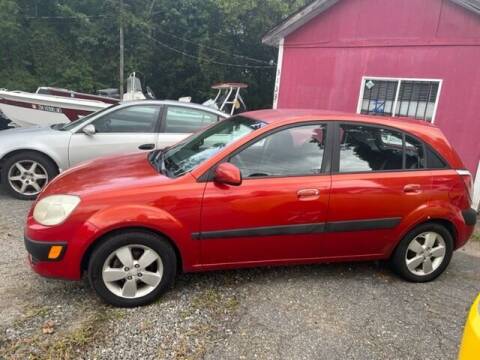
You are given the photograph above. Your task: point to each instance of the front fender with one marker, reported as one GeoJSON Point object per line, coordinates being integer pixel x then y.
{"type": "Point", "coordinates": [152, 218]}
{"type": "Point", "coordinates": [44, 141]}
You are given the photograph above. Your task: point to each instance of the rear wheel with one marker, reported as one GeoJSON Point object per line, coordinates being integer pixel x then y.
{"type": "Point", "coordinates": [132, 268]}
{"type": "Point", "coordinates": [25, 174]}
{"type": "Point", "coordinates": [424, 253]}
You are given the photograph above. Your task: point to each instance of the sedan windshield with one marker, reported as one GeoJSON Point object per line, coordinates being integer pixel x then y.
{"type": "Point", "coordinates": [74, 124]}
{"type": "Point", "coordinates": [188, 154]}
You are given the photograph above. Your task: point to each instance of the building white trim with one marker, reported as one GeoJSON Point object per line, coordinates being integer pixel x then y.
{"type": "Point", "coordinates": [476, 189]}
{"type": "Point", "coordinates": [278, 75]}
{"type": "Point", "coordinates": [362, 88]}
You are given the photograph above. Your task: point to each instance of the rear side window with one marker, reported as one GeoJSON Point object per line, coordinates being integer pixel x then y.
{"type": "Point", "coordinates": [366, 148]}
{"type": "Point", "coordinates": [185, 120]}
{"type": "Point", "coordinates": [414, 153]}
{"type": "Point", "coordinates": [434, 161]}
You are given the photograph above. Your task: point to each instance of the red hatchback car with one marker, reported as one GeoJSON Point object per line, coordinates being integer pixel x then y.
{"type": "Point", "coordinates": [270, 187]}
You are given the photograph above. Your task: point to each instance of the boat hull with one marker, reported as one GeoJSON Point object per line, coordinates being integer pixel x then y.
{"type": "Point", "coordinates": [27, 109]}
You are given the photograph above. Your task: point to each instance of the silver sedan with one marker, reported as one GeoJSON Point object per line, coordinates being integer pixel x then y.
{"type": "Point", "coordinates": [30, 157]}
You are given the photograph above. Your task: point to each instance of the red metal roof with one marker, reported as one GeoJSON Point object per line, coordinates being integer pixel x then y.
{"type": "Point", "coordinates": [315, 8]}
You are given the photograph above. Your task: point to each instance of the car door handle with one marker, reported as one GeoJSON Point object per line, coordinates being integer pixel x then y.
{"type": "Point", "coordinates": [412, 188]}
{"type": "Point", "coordinates": [308, 194]}
{"type": "Point", "coordinates": [147, 147]}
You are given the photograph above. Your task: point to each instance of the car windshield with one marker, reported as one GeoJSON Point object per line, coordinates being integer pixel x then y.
{"type": "Point", "coordinates": [188, 154]}
{"type": "Point", "coordinates": [74, 124]}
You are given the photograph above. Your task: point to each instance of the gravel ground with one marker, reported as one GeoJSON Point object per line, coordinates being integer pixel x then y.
{"type": "Point", "coordinates": [334, 311]}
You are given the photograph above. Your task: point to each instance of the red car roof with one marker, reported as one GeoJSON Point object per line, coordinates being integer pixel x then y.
{"type": "Point", "coordinates": [272, 115]}
{"type": "Point", "coordinates": [422, 129]}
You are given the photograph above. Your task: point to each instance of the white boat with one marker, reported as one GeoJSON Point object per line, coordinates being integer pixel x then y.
{"type": "Point", "coordinates": [48, 106]}
{"type": "Point", "coordinates": [30, 109]}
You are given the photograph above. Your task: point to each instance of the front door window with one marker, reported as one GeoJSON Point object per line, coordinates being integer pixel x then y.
{"type": "Point", "coordinates": [133, 119]}
{"type": "Point", "coordinates": [295, 151]}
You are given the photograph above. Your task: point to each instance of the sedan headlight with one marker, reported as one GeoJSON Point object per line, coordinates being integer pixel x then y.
{"type": "Point", "coordinates": [55, 209]}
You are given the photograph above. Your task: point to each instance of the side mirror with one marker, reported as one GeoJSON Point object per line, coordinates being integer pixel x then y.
{"type": "Point", "coordinates": [228, 174]}
{"type": "Point", "coordinates": [89, 129]}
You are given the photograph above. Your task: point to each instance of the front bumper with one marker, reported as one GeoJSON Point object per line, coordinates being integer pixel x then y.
{"type": "Point", "coordinates": [45, 258]}
{"type": "Point", "coordinates": [73, 236]}
{"type": "Point", "coordinates": [470, 347]}
{"type": "Point", "coordinates": [45, 251]}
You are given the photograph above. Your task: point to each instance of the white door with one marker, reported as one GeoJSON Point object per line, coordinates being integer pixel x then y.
{"type": "Point", "coordinates": [127, 130]}
{"type": "Point", "coordinates": [180, 122]}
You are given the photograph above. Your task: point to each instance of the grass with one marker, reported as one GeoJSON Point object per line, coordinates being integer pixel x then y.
{"type": "Point", "coordinates": [64, 343]}
{"type": "Point", "coordinates": [213, 304]}
{"type": "Point", "coordinates": [476, 235]}
{"type": "Point", "coordinates": [69, 346]}
{"type": "Point", "coordinates": [210, 300]}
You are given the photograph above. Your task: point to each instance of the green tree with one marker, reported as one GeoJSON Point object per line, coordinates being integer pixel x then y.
{"type": "Point", "coordinates": [74, 44]}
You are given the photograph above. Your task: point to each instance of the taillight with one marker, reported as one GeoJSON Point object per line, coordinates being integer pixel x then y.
{"type": "Point", "coordinates": [468, 181]}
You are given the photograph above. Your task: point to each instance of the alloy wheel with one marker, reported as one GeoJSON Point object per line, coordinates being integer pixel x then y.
{"type": "Point", "coordinates": [27, 177]}
{"type": "Point", "coordinates": [425, 253]}
{"type": "Point", "coordinates": [132, 271]}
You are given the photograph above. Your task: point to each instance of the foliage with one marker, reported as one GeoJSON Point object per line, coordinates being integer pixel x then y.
{"type": "Point", "coordinates": [74, 44]}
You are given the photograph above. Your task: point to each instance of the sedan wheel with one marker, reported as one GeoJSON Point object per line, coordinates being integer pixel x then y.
{"type": "Point", "coordinates": [27, 177]}
{"type": "Point", "coordinates": [132, 268]}
{"type": "Point", "coordinates": [26, 173]}
{"type": "Point", "coordinates": [424, 253]}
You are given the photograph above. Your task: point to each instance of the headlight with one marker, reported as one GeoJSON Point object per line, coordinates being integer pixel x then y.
{"type": "Point", "coordinates": [55, 209]}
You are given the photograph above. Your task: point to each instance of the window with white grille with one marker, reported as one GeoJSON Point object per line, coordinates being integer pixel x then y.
{"type": "Point", "coordinates": [414, 98]}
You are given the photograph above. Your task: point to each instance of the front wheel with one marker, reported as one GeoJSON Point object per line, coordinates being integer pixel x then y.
{"type": "Point", "coordinates": [424, 253]}
{"type": "Point", "coordinates": [25, 174]}
{"type": "Point", "coordinates": [132, 268]}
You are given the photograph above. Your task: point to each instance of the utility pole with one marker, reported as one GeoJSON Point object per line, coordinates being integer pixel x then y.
{"type": "Point", "coordinates": [122, 50]}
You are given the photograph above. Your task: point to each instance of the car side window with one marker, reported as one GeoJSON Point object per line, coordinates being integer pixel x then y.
{"type": "Point", "coordinates": [133, 119]}
{"type": "Point", "coordinates": [434, 161]}
{"type": "Point", "coordinates": [184, 120]}
{"type": "Point", "coordinates": [290, 152]}
{"type": "Point", "coordinates": [414, 154]}
{"type": "Point", "coordinates": [368, 148]}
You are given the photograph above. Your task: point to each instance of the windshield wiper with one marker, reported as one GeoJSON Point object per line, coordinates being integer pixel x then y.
{"type": "Point", "coordinates": [160, 162]}
{"type": "Point", "coordinates": [157, 158]}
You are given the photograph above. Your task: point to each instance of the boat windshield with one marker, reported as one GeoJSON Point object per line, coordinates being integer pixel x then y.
{"type": "Point", "coordinates": [74, 124]}
{"type": "Point", "coordinates": [133, 84]}
{"type": "Point", "coordinates": [191, 152]}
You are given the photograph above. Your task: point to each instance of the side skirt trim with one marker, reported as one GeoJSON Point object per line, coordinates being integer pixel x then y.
{"type": "Point", "coordinates": [297, 229]}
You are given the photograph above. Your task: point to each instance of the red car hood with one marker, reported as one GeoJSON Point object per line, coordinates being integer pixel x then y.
{"type": "Point", "coordinates": [105, 174]}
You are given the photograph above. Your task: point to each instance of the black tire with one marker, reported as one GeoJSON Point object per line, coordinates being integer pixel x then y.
{"type": "Point", "coordinates": [161, 246]}
{"type": "Point", "coordinates": [49, 166]}
{"type": "Point", "coordinates": [399, 264]}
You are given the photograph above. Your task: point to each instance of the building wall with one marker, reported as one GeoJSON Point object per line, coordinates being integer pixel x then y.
{"type": "Point", "coordinates": [324, 61]}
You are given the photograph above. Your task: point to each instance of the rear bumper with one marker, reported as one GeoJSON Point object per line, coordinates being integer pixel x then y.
{"type": "Point", "coordinates": [470, 216]}
{"type": "Point", "coordinates": [465, 226]}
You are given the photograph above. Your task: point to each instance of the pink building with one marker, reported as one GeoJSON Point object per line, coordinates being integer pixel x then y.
{"type": "Point", "coordinates": [415, 58]}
